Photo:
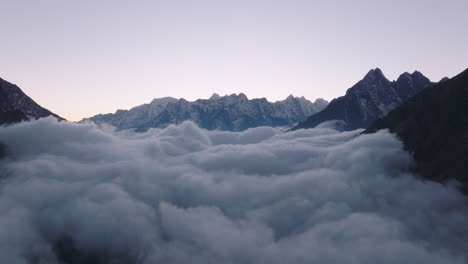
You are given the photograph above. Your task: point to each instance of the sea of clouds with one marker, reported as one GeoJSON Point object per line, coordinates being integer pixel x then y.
{"type": "Point", "coordinates": [74, 193]}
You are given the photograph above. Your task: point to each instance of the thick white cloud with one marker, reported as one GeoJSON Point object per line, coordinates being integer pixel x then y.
{"type": "Point", "coordinates": [76, 194]}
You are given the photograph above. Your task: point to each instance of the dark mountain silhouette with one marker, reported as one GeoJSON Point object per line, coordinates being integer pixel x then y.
{"type": "Point", "coordinates": [10, 117]}
{"type": "Point", "coordinates": [434, 126]}
{"type": "Point", "coordinates": [369, 99]}
{"type": "Point", "coordinates": [16, 106]}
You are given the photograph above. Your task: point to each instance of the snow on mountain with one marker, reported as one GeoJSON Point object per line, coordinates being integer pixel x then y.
{"type": "Point", "coordinates": [233, 112]}
{"type": "Point", "coordinates": [371, 98]}
{"type": "Point", "coordinates": [124, 119]}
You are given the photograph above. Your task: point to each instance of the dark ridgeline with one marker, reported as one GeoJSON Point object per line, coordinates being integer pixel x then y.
{"type": "Point", "coordinates": [16, 106]}
{"type": "Point", "coordinates": [369, 99]}
{"type": "Point", "coordinates": [434, 127]}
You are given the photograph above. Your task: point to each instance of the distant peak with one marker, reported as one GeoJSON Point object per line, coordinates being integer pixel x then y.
{"type": "Point", "coordinates": [404, 76]}
{"type": "Point", "coordinates": [419, 75]}
{"type": "Point", "coordinates": [374, 74]}
{"type": "Point", "coordinates": [416, 75]}
{"type": "Point", "coordinates": [243, 96]}
{"type": "Point", "coordinates": [215, 96]}
{"type": "Point", "coordinates": [235, 96]}
{"type": "Point", "coordinates": [163, 100]}
{"type": "Point", "coordinates": [444, 79]}
{"type": "Point", "coordinates": [320, 100]}
{"type": "Point", "coordinates": [292, 97]}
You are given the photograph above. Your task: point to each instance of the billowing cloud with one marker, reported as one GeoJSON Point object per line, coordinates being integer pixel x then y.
{"type": "Point", "coordinates": [79, 194]}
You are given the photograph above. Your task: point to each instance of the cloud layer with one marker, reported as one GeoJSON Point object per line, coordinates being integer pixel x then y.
{"type": "Point", "coordinates": [76, 194]}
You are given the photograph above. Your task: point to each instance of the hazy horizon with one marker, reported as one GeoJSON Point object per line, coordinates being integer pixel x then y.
{"type": "Point", "coordinates": [82, 58]}
{"type": "Point", "coordinates": [227, 94]}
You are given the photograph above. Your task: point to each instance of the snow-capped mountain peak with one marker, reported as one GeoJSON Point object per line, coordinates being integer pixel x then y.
{"type": "Point", "coordinates": [214, 96]}
{"type": "Point", "coordinates": [163, 101]}
{"type": "Point", "coordinates": [233, 112]}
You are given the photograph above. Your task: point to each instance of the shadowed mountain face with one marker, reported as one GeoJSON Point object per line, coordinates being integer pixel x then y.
{"type": "Point", "coordinates": [369, 99]}
{"type": "Point", "coordinates": [16, 106]}
{"type": "Point", "coordinates": [231, 113]}
{"type": "Point", "coordinates": [11, 117]}
{"type": "Point", "coordinates": [434, 126]}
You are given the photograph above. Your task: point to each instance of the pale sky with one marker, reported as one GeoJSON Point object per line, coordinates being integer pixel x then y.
{"type": "Point", "coordinates": [81, 58]}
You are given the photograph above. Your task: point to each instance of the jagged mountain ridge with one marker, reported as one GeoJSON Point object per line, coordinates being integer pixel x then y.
{"type": "Point", "coordinates": [233, 112]}
{"type": "Point", "coordinates": [369, 99]}
{"type": "Point", "coordinates": [433, 125]}
{"type": "Point", "coordinates": [16, 106]}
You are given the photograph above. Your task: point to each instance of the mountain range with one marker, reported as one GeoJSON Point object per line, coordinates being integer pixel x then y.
{"type": "Point", "coordinates": [369, 99]}
{"type": "Point", "coordinates": [430, 118]}
{"type": "Point", "coordinates": [233, 112]}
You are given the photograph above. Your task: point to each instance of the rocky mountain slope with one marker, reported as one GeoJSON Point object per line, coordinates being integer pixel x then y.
{"type": "Point", "coordinates": [231, 112]}
{"type": "Point", "coordinates": [434, 126]}
{"type": "Point", "coordinates": [369, 99]}
{"type": "Point", "coordinates": [16, 106]}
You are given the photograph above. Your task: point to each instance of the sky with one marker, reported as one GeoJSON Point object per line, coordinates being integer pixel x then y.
{"type": "Point", "coordinates": [81, 58]}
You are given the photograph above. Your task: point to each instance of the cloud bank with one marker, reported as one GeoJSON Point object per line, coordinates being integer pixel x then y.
{"type": "Point", "coordinates": [78, 194]}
